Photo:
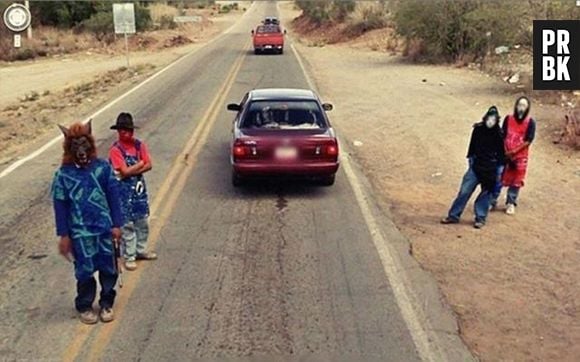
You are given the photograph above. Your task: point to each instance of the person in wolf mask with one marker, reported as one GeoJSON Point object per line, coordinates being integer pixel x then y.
{"type": "Point", "coordinates": [130, 159]}
{"type": "Point", "coordinates": [519, 131]}
{"type": "Point", "coordinates": [485, 153]}
{"type": "Point", "coordinates": [88, 220]}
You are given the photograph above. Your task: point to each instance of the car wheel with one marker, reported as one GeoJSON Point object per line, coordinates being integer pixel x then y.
{"type": "Point", "coordinates": [256, 51]}
{"type": "Point", "coordinates": [326, 180]}
{"type": "Point", "coordinates": [237, 180]}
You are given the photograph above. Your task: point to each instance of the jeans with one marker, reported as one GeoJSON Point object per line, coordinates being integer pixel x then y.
{"type": "Point", "coordinates": [92, 254]}
{"type": "Point", "coordinates": [512, 196]}
{"type": "Point", "coordinates": [468, 186]}
{"type": "Point", "coordinates": [135, 234]}
{"type": "Point", "coordinates": [498, 185]}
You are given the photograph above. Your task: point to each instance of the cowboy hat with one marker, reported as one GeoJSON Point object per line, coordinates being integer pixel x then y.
{"type": "Point", "coordinates": [124, 121]}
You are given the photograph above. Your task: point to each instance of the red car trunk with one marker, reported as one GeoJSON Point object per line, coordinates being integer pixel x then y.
{"type": "Point", "coordinates": [275, 147]}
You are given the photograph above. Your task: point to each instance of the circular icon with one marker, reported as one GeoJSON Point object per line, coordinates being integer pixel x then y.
{"type": "Point", "coordinates": [17, 17]}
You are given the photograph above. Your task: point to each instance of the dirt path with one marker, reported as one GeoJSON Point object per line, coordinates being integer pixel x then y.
{"type": "Point", "coordinates": [20, 78]}
{"type": "Point", "coordinates": [514, 284]}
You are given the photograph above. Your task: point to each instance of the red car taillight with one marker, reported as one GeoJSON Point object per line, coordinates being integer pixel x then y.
{"type": "Point", "coordinates": [332, 150]}
{"type": "Point", "coordinates": [239, 151]}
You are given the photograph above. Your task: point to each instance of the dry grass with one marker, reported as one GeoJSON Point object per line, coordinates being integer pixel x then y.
{"type": "Point", "coordinates": [159, 11]}
{"type": "Point", "coordinates": [37, 113]}
{"type": "Point", "coordinates": [47, 41]}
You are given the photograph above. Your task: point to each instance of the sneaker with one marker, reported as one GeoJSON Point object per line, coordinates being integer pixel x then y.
{"type": "Point", "coordinates": [478, 224]}
{"type": "Point", "coordinates": [130, 265]}
{"type": "Point", "coordinates": [511, 209]}
{"type": "Point", "coordinates": [493, 207]}
{"type": "Point", "coordinates": [107, 315]}
{"type": "Point", "coordinates": [449, 220]}
{"type": "Point", "coordinates": [147, 256]}
{"type": "Point", "coordinates": [88, 317]}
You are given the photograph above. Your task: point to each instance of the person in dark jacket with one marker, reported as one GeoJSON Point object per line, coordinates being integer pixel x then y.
{"type": "Point", "coordinates": [485, 154]}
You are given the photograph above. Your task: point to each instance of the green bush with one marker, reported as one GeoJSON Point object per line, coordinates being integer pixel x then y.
{"type": "Point", "coordinates": [23, 54]}
{"type": "Point", "coordinates": [100, 24]}
{"type": "Point", "coordinates": [317, 11]}
{"type": "Point", "coordinates": [450, 29]}
{"type": "Point", "coordinates": [69, 14]}
{"type": "Point", "coordinates": [367, 17]}
{"type": "Point", "coordinates": [143, 19]}
{"type": "Point", "coordinates": [225, 9]}
{"type": "Point", "coordinates": [325, 11]}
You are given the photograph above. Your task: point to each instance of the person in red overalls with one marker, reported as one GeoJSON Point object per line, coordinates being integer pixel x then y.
{"type": "Point", "coordinates": [519, 130]}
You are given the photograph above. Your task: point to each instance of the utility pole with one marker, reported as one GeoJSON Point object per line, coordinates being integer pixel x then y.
{"type": "Point", "coordinates": [29, 29]}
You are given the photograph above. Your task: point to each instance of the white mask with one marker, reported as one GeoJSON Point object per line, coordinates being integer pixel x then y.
{"type": "Point", "coordinates": [522, 107]}
{"type": "Point", "coordinates": [490, 122]}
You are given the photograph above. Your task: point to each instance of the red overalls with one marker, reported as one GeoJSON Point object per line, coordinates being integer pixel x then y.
{"type": "Point", "coordinates": [515, 172]}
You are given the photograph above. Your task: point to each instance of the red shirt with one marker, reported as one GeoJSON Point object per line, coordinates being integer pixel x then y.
{"type": "Point", "coordinates": [116, 156]}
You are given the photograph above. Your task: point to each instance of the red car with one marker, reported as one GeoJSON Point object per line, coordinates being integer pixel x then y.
{"type": "Point", "coordinates": [268, 38]}
{"type": "Point", "coordinates": [283, 132]}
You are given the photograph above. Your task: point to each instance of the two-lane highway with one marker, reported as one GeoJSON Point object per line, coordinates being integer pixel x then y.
{"type": "Point", "coordinates": [279, 271]}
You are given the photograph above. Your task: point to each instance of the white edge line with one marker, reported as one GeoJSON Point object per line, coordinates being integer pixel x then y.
{"type": "Point", "coordinates": [13, 166]}
{"type": "Point", "coordinates": [403, 296]}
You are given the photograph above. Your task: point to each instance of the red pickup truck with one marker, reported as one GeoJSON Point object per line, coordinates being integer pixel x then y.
{"type": "Point", "coordinates": [268, 38]}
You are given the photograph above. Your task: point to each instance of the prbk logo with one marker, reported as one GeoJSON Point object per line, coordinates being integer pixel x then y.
{"type": "Point", "coordinates": [556, 54]}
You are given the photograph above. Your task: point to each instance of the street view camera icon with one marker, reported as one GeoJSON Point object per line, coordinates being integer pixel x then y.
{"type": "Point", "coordinates": [556, 54]}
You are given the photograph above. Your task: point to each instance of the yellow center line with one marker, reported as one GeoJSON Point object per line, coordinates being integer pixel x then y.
{"type": "Point", "coordinates": [164, 202]}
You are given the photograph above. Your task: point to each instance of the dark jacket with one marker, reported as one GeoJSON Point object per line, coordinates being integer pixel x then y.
{"type": "Point", "coordinates": [486, 151]}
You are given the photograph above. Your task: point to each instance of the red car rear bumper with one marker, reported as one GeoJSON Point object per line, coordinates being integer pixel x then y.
{"type": "Point", "coordinates": [272, 169]}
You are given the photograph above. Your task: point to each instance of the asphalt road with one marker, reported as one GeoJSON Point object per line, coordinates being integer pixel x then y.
{"type": "Point", "coordinates": [277, 271]}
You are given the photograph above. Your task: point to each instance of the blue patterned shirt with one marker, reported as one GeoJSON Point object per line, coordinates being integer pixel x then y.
{"type": "Point", "coordinates": [86, 200]}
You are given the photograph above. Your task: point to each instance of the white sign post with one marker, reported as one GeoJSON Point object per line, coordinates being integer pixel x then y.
{"type": "Point", "coordinates": [124, 19]}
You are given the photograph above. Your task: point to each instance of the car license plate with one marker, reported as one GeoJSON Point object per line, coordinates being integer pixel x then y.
{"type": "Point", "coordinates": [286, 153]}
{"type": "Point", "coordinates": [268, 47]}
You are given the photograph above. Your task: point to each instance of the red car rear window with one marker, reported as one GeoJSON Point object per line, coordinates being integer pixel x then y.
{"type": "Point", "coordinates": [268, 29]}
{"type": "Point", "coordinates": [284, 115]}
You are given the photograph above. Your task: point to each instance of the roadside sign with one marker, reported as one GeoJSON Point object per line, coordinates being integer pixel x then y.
{"type": "Point", "coordinates": [17, 41]}
{"type": "Point", "coordinates": [124, 18]}
{"type": "Point", "coordinates": [17, 17]}
{"type": "Point", "coordinates": [187, 19]}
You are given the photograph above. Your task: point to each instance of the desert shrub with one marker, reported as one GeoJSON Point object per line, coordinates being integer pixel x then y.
{"type": "Point", "coordinates": [340, 9]}
{"type": "Point", "coordinates": [457, 29]}
{"type": "Point", "coordinates": [100, 24]}
{"type": "Point", "coordinates": [23, 54]}
{"type": "Point", "coordinates": [450, 29]}
{"type": "Point", "coordinates": [325, 11]}
{"type": "Point", "coordinates": [225, 9]}
{"type": "Point", "coordinates": [366, 17]}
{"type": "Point", "coordinates": [63, 14]}
{"type": "Point", "coordinates": [166, 22]}
{"type": "Point", "coordinates": [158, 10]}
{"type": "Point", "coordinates": [143, 19]}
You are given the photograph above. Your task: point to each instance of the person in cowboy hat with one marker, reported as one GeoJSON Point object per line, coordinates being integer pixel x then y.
{"type": "Point", "coordinates": [130, 160]}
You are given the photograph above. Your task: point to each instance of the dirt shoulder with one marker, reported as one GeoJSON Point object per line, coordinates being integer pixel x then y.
{"type": "Point", "coordinates": [158, 48]}
{"type": "Point", "coordinates": [35, 95]}
{"type": "Point", "coordinates": [514, 284]}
